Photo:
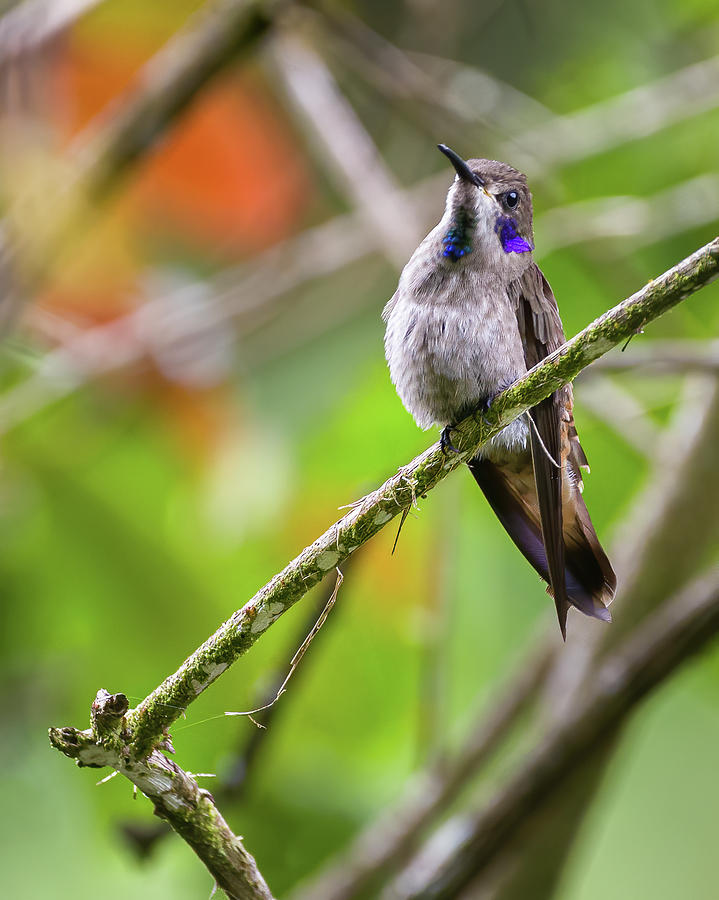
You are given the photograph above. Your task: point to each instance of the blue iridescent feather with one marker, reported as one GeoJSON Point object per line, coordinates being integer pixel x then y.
{"type": "Point", "coordinates": [458, 240]}
{"type": "Point", "coordinates": [512, 241]}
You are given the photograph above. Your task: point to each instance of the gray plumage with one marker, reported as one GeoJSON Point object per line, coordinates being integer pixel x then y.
{"type": "Point", "coordinates": [471, 313]}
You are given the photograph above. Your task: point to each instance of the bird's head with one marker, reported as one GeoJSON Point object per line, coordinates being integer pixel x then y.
{"type": "Point", "coordinates": [488, 218]}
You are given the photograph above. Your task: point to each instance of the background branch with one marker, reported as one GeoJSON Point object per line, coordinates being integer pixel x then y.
{"type": "Point", "coordinates": [348, 150]}
{"type": "Point", "coordinates": [670, 529]}
{"type": "Point", "coordinates": [169, 82]}
{"type": "Point", "coordinates": [662, 356]}
{"type": "Point", "coordinates": [676, 632]}
{"type": "Point", "coordinates": [388, 842]}
{"type": "Point", "coordinates": [670, 533]}
{"type": "Point", "coordinates": [251, 296]}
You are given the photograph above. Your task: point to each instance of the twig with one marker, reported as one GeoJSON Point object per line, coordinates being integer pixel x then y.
{"type": "Point", "coordinates": [297, 658]}
{"type": "Point", "coordinates": [176, 796]}
{"type": "Point", "coordinates": [239, 633]}
{"type": "Point", "coordinates": [663, 643]}
{"type": "Point", "coordinates": [236, 780]}
{"type": "Point", "coordinates": [143, 837]}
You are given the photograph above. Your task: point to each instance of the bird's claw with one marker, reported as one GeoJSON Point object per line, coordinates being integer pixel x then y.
{"type": "Point", "coordinates": [445, 439]}
{"type": "Point", "coordinates": [480, 413]}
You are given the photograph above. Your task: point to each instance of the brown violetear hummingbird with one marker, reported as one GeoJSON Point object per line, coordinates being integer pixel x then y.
{"type": "Point", "coordinates": [472, 312]}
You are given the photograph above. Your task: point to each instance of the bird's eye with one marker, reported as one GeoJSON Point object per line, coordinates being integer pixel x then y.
{"type": "Point", "coordinates": [511, 198]}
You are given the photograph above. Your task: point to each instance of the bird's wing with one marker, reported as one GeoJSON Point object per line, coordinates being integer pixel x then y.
{"type": "Point", "coordinates": [546, 326]}
{"type": "Point", "coordinates": [541, 331]}
{"type": "Point", "coordinates": [580, 572]}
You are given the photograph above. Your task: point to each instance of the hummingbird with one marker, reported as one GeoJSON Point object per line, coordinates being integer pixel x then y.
{"type": "Point", "coordinates": [471, 314]}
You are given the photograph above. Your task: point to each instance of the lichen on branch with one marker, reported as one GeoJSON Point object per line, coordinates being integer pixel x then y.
{"type": "Point", "coordinates": [174, 793]}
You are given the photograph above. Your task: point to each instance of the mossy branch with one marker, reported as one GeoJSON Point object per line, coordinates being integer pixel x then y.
{"type": "Point", "coordinates": [175, 794]}
{"type": "Point", "coordinates": [164, 705]}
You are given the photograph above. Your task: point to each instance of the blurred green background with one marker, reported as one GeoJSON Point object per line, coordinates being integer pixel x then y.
{"type": "Point", "coordinates": [154, 476]}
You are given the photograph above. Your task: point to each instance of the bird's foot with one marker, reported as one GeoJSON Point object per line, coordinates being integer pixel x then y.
{"type": "Point", "coordinates": [480, 413]}
{"type": "Point", "coordinates": [484, 406]}
{"type": "Point", "coordinates": [445, 439]}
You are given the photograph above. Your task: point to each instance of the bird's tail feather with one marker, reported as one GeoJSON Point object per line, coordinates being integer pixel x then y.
{"type": "Point", "coordinates": [589, 578]}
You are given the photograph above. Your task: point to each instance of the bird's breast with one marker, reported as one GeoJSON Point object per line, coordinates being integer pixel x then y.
{"type": "Point", "coordinates": [451, 350]}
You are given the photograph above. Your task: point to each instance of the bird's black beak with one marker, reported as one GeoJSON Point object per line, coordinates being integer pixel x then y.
{"type": "Point", "coordinates": [463, 170]}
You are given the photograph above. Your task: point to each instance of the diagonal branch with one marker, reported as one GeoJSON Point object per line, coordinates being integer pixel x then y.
{"type": "Point", "coordinates": [169, 83]}
{"type": "Point", "coordinates": [161, 708]}
{"type": "Point", "coordinates": [351, 156]}
{"type": "Point", "coordinates": [679, 630]}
